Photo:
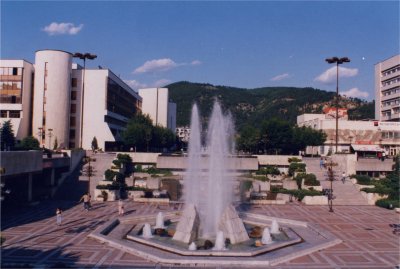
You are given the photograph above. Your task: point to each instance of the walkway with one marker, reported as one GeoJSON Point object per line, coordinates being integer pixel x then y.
{"type": "Point", "coordinates": [33, 238]}
{"type": "Point", "coordinates": [345, 194]}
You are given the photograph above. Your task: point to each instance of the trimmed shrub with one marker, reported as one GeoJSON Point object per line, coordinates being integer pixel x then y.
{"type": "Point", "coordinates": [387, 203]}
{"type": "Point", "coordinates": [311, 180]}
{"type": "Point", "coordinates": [296, 167]}
{"type": "Point", "coordinates": [363, 180]}
{"type": "Point", "coordinates": [294, 160]}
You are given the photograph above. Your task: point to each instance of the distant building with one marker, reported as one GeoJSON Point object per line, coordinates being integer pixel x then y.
{"type": "Point", "coordinates": [66, 103]}
{"type": "Point", "coordinates": [157, 105]}
{"type": "Point", "coordinates": [16, 95]}
{"type": "Point", "coordinates": [374, 135]}
{"type": "Point", "coordinates": [387, 89]}
{"type": "Point", "coordinates": [183, 133]}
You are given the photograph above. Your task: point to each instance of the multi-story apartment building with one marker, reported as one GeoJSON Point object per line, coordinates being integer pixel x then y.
{"type": "Point", "coordinates": [16, 89]}
{"type": "Point", "coordinates": [55, 99]}
{"type": "Point", "coordinates": [157, 105]}
{"type": "Point", "coordinates": [387, 89]}
{"type": "Point", "coordinates": [376, 135]}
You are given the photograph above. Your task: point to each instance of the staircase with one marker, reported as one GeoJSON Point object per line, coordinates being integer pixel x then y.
{"type": "Point", "coordinates": [345, 194]}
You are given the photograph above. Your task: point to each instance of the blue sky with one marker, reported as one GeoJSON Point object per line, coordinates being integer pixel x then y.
{"type": "Point", "coordinates": [241, 44]}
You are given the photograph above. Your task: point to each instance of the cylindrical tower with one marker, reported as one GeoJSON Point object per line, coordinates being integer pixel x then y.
{"type": "Point", "coordinates": [51, 107]}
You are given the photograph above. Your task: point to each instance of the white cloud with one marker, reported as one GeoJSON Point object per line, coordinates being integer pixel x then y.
{"type": "Point", "coordinates": [159, 65]}
{"type": "Point", "coordinates": [63, 28]}
{"type": "Point", "coordinates": [156, 66]}
{"type": "Point", "coordinates": [355, 92]}
{"type": "Point", "coordinates": [134, 84]}
{"type": "Point", "coordinates": [195, 62]}
{"type": "Point", "coordinates": [280, 77]}
{"type": "Point", "coordinates": [329, 76]}
{"type": "Point", "coordinates": [161, 82]}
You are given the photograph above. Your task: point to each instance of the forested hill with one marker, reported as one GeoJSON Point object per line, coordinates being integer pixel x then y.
{"type": "Point", "coordinates": [252, 106]}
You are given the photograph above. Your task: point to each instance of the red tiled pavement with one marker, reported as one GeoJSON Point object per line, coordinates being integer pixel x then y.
{"type": "Point", "coordinates": [368, 241]}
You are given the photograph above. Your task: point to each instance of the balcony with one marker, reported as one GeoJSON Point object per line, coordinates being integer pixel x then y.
{"type": "Point", "coordinates": [10, 78]}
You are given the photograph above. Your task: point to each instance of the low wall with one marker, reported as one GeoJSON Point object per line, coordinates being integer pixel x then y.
{"type": "Point", "coordinates": [278, 160]}
{"type": "Point", "coordinates": [373, 197]}
{"type": "Point", "coordinates": [267, 202]}
{"type": "Point", "coordinates": [180, 162]}
{"type": "Point", "coordinates": [19, 162]}
{"type": "Point", "coordinates": [315, 200]}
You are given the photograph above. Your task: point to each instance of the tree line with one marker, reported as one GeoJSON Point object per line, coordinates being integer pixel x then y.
{"type": "Point", "coordinates": [277, 136]}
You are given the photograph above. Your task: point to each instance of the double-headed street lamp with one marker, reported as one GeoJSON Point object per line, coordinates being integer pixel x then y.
{"type": "Point", "coordinates": [83, 56]}
{"type": "Point", "coordinates": [337, 61]}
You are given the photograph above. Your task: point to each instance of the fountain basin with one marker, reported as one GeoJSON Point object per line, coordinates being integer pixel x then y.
{"type": "Point", "coordinates": [312, 238]}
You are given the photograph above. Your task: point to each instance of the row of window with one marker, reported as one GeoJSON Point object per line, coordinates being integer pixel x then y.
{"type": "Point", "coordinates": [390, 81]}
{"type": "Point", "coordinates": [391, 71]}
{"type": "Point", "coordinates": [391, 102]}
{"type": "Point", "coordinates": [391, 135]}
{"type": "Point", "coordinates": [10, 114]}
{"type": "Point", "coordinates": [391, 91]}
{"type": "Point", "coordinates": [11, 71]}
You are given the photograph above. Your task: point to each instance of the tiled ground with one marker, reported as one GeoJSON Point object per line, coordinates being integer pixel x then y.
{"type": "Point", "coordinates": [33, 239]}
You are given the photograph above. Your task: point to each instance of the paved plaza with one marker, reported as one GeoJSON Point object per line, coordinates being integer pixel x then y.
{"type": "Point", "coordinates": [34, 240]}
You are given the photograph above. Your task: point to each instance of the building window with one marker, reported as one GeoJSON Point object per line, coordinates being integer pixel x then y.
{"type": "Point", "coordinates": [15, 71]}
{"type": "Point", "coordinates": [72, 122]}
{"type": "Point", "coordinates": [15, 114]}
{"type": "Point", "coordinates": [73, 108]}
{"type": "Point", "coordinates": [73, 95]}
{"type": "Point", "coordinates": [72, 134]}
{"type": "Point", "coordinates": [74, 82]}
{"type": "Point", "coordinates": [3, 113]}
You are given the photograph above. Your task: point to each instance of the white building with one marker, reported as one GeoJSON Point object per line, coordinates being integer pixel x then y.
{"type": "Point", "coordinates": [373, 134]}
{"type": "Point", "coordinates": [387, 89]}
{"type": "Point", "coordinates": [16, 89]}
{"type": "Point", "coordinates": [157, 105]}
{"type": "Point", "coordinates": [183, 133]}
{"type": "Point", "coordinates": [64, 94]}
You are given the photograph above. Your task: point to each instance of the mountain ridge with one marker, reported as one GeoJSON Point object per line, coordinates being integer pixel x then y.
{"type": "Point", "coordinates": [251, 106]}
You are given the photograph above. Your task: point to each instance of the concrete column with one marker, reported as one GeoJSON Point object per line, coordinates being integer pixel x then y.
{"type": "Point", "coordinates": [30, 178]}
{"type": "Point", "coordinates": [52, 177]}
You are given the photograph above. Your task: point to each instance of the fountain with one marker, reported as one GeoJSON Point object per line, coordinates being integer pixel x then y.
{"type": "Point", "coordinates": [266, 237]}
{"type": "Point", "coordinates": [147, 231]}
{"type": "Point", "coordinates": [209, 225]}
{"type": "Point", "coordinates": [192, 246]}
{"type": "Point", "coordinates": [220, 241]}
{"type": "Point", "coordinates": [275, 227]}
{"type": "Point", "coordinates": [160, 221]}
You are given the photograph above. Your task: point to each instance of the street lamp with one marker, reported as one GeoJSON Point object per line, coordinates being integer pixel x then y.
{"type": "Point", "coordinates": [331, 177]}
{"type": "Point", "coordinates": [83, 56]}
{"type": "Point", "coordinates": [337, 61]}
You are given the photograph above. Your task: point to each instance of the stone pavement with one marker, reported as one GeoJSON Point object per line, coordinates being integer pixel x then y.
{"type": "Point", "coordinates": [345, 194]}
{"type": "Point", "coordinates": [34, 240]}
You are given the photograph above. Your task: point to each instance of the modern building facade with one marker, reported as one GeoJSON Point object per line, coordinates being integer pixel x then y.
{"type": "Point", "coordinates": [157, 105]}
{"type": "Point", "coordinates": [16, 95]}
{"type": "Point", "coordinates": [387, 89]}
{"type": "Point", "coordinates": [58, 100]}
{"type": "Point", "coordinates": [374, 135]}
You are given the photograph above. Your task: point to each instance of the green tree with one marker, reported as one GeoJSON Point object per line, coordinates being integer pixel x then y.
{"type": "Point", "coordinates": [162, 137]}
{"type": "Point", "coordinates": [277, 136]}
{"type": "Point", "coordinates": [7, 136]}
{"type": "Point", "coordinates": [95, 146]}
{"type": "Point", "coordinates": [138, 132]}
{"type": "Point", "coordinates": [249, 139]}
{"type": "Point", "coordinates": [29, 143]}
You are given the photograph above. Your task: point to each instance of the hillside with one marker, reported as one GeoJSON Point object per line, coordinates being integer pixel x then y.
{"type": "Point", "coordinates": [251, 106]}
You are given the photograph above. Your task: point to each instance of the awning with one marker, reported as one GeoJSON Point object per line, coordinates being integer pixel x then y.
{"type": "Point", "coordinates": [375, 148]}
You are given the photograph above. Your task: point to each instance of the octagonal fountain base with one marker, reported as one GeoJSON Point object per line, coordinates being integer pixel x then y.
{"type": "Point", "coordinates": [302, 239]}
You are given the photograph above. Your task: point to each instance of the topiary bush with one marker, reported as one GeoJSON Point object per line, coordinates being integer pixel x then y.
{"type": "Point", "coordinates": [296, 167]}
{"type": "Point", "coordinates": [387, 203]}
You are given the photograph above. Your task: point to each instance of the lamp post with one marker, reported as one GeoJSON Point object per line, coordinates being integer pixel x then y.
{"type": "Point", "coordinates": [50, 134]}
{"type": "Point", "coordinates": [337, 61]}
{"type": "Point", "coordinates": [331, 177]}
{"type": "Point", "coordinates": [83, 56]}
